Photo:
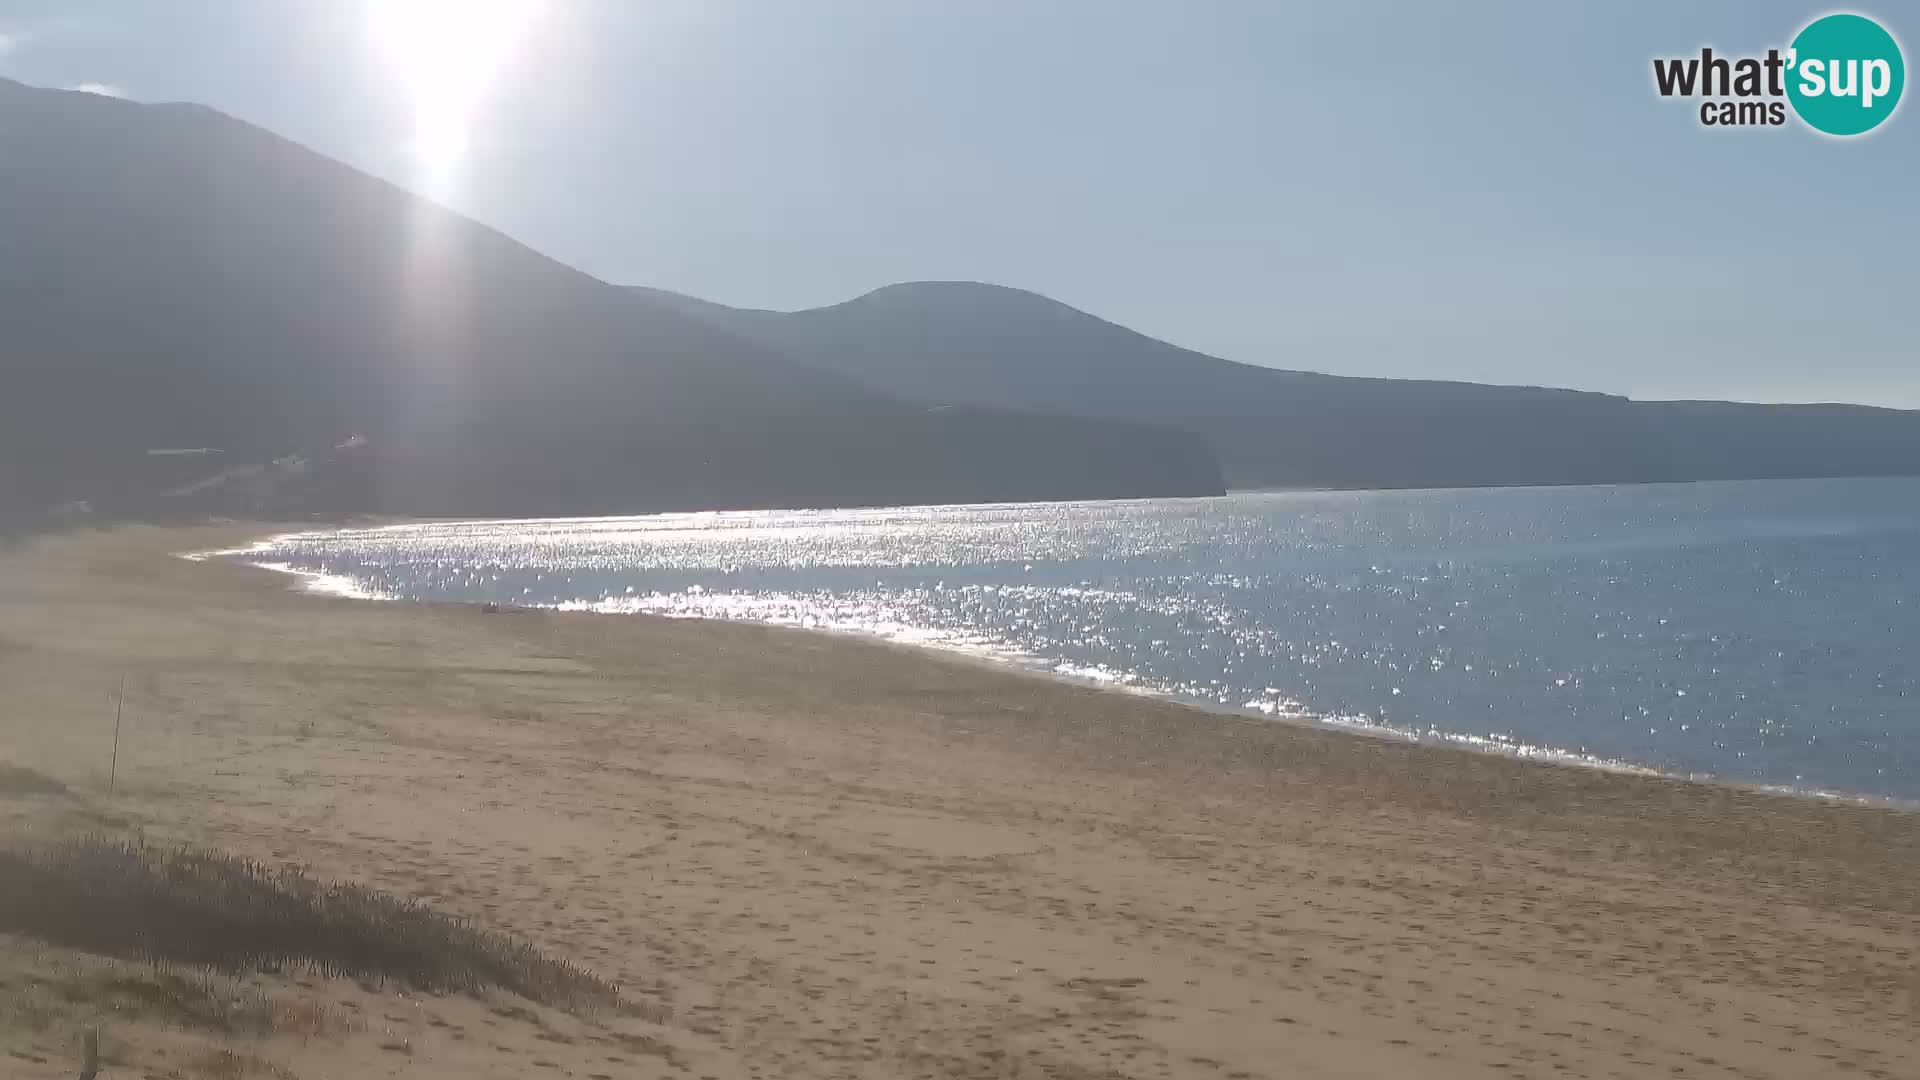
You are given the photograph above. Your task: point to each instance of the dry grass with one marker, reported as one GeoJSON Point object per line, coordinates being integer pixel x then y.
{"type": "Point", "coordinates": [206, 909]}
{"type": "Point", "coordinates": [305, 1018]}
{"type": "Point", "coordinates": [225, 1063]}
{"type": "Point", "coordinates": [52, 998]}
{"type": "Point", "coordinates": [46, 995]}
{"type": "Point", "coordinates": [192, 999]}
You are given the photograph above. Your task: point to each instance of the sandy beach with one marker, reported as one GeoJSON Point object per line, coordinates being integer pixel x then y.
{"type": "Point", "coordinates": [827, 857]}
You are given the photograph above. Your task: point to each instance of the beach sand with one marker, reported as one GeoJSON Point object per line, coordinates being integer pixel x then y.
{"type": "Point", "coordinates": [829, 857]}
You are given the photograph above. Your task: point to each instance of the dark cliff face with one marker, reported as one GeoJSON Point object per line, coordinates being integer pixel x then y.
{"type": "Point", "coordinates": [991, 346]}
{"type": "Point", "coordinates": [173, 278]}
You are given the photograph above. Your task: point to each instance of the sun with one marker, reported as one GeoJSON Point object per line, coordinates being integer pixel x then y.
{"type": "Point", "coordinates": [447, 55]}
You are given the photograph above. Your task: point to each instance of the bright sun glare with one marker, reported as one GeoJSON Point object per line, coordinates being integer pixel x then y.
{"type": "Point", "coordinates": [447, 54]}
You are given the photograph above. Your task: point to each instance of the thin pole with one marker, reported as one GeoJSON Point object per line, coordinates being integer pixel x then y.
{"type": "Point", "coordinates": [119, 703]}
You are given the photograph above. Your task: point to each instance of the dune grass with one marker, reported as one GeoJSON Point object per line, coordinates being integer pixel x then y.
{"type": "Point", "coordinates": [47, 996]}
{"type": "Point", "coordinates": [208, 909]}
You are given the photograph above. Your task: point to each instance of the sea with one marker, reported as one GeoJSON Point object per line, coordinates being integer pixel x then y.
{"type": "Point", "coordinates": [1762, 633]}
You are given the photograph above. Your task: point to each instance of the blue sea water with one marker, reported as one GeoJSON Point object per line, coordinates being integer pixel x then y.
{"type": "Point", "coordinates": [1756, 632]}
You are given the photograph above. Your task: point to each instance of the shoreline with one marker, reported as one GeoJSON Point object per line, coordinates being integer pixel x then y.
{"type": "Point", "coordinates": [828, 856]}
{"type": "Point", "coordinates": [323, 584]}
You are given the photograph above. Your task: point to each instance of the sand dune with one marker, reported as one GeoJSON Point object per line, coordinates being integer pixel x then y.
{"type": "Point", "coordinates": [823, 857]}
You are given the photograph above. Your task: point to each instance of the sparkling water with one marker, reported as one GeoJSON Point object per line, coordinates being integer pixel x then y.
{"type": "Point", "coordinates": [1758, 632]}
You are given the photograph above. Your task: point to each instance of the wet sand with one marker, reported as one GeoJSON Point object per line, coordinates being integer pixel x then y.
{"type": "Point", "coordinates": [828, 857]}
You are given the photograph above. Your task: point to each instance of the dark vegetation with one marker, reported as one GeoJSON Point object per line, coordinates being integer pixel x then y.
{"type": "Point", "coordinates": [20, 780]}
{"type": "Point", "coordinates": [204, 909]}
{"type": "Point", "coordinates": [981, 345]}
{"type": "Point", "coordinates": [172, 279]}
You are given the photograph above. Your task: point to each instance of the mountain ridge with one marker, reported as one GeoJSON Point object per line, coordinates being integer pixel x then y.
{"type": "Point", "coordinates": [175, 277]}
{"type": "Point", "coordinates": [980, 344]}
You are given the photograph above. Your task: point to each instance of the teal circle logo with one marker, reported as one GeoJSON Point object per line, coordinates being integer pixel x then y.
{"type": "Point", "coordinates": [1845, 74]}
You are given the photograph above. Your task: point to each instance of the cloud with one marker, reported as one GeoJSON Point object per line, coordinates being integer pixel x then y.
{"type": "Point", "coordinates": [103, 89]}
{"type": "Point", "coordinates": [8, 42]}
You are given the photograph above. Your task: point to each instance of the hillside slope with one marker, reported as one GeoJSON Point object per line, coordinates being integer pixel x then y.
{"type": "Point", "coordinates": [173, 278]}
{"type": "Point", "coordinates": [963, 342]}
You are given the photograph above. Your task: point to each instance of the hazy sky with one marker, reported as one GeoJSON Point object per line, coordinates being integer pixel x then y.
{"type": "Point", "coordinates": [1475, 191]}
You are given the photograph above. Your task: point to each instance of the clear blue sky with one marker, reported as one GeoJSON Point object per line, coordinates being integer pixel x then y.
{"type": "Point", "coordinates": [1474, 191]}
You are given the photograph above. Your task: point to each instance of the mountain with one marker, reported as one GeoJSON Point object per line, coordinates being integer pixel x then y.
{"type": "Point", "coordinates": [172, 278]}
{"type": "Point", "coordinates": [983, 345]}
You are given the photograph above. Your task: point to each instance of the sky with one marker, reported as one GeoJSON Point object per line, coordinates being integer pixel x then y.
{"type": "Point", "coordinates": [1481, 191]}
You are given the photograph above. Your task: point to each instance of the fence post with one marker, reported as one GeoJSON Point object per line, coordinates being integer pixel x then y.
{"type": "Point", "coordinates": [119, 705]}
{"type": "Point", "coordinates": [90, 1054]}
